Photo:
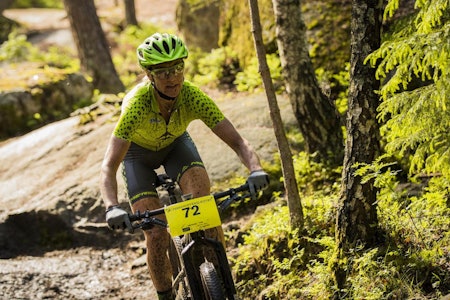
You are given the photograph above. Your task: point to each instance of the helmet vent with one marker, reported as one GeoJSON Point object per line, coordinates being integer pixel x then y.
{"type": "Point", "coordinates": [157, 48]}
{"type": "Point", "coordinates": [166, 47]}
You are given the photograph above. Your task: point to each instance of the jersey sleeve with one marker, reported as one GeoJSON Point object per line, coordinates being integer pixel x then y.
{"type": "Point", "coordinates": [203, 107]}
{"type": "Point", "coordinates": [131, 115]}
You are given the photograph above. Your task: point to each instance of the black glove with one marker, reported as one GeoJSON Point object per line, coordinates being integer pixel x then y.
{"type": "Point", "coordinates": [117, 218]}
{"type": "Point", "coordinates": [257, 181]}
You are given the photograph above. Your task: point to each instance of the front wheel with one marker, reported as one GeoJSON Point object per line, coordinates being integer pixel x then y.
{"type": "Point", "coordinates": [211, 283]}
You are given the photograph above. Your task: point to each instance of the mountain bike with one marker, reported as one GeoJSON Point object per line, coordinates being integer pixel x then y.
{"type": "Point", "coordinates": [195, 275]}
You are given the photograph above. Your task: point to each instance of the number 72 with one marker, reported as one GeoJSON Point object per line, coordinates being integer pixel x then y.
{"type": "Point", "coordinates": [193, 210]}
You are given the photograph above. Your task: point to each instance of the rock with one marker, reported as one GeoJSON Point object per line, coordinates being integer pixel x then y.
{"type": "Point", "coordinates": [191, 20]}
{"type": "Point", "coordinates": [38, 95]}
{"type": "Point", "coordinates": [50, 176]}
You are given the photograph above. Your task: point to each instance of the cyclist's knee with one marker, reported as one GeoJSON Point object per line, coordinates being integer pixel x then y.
{"type": "Point", "coordinates": [147, 203]}
{"type": "Point", "coordinates": [195, 181]}
{"type": "Point", "coordinates": [157, 237]}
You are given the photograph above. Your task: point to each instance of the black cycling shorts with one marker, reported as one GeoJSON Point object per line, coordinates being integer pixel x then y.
{"type": "Point", "coordinates": [139, 165]}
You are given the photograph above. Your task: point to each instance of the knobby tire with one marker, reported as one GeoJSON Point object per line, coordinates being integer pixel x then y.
{"type": "Point", "coordinates": [211, 283]}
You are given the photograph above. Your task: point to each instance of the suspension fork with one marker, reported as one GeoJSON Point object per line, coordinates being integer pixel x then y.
{"type": "Point", "coordinates": [189, 254]}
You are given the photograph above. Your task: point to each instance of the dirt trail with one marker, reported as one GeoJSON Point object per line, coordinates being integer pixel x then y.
{"type": "Point", "coordinates": [114, 272]}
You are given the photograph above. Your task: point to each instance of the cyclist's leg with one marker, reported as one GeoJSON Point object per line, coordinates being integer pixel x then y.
{"type": "Point", "coordinates": [139, 176]}
{"type": "Point", "coordinates": [186, 166]}
{"type": "Point", "coordinates": [157, 242]}
{"type": "Point", "coordinates": [195, 181]}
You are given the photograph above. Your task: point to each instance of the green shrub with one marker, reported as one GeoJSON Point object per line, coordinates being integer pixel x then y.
{"type": "Point", "coordinates": [250, 78]}
{"type": "Point", "coordinates": [216, 69]}
{"type": "Point", "coordinates": [312, 176]}
{"type": "Point", "coordinates": [416, 218]}
{"type": "Point", "coordinates": [17, 49]}
{"type": "Point", "coordinates": [124, 58]}
{"type": "Point", "coordinates": [269, 255]}
{"type": "Point", "coordinates": [38, 4]}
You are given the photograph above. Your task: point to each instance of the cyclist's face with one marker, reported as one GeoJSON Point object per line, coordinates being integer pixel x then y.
{"type": "Point", "coordinates": [168, 77]}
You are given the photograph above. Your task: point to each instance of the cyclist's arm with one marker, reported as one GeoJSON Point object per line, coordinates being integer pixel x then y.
{"type": "Point", "coordinates": [228, 133]}
{"type": "Point", "coordinates": [117, 148]}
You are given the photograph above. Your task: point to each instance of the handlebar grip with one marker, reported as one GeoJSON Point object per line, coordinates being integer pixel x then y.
{"type": "Point", "coordinates": [231, 191]}
{"type": "Point", "coordinates": [147, 214]}
{"type": "Point", "coordinates": [133, 217]}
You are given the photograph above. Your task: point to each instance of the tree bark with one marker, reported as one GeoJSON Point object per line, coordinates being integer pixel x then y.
{"type": "Point", "coordinates": [5, 4]}
{"type": "Point", "coordinates": [93, 49]}
{"type": "Point", "coordinates": [130, 13]}
{"type": "Point", "coordinates": [292, 194]}
{"type": "Point", "coordinates": [357, 222]}
{"type": "Point", "coordinates": [316, 114]}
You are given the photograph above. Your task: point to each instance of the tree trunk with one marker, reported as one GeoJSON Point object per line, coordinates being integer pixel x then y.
{"type": "Point", "coordinates": [130, 13]}
{"type": "Point", "coordinates": [93, 49]}
{"type": "Point", "coordinates": [317, 116]}
{"type": "Point", "coordinates": [5, 4]}
{"type": "Point", "coordinates": [292, 194]}
{"type": "Point", "coordinates": [357, 222]}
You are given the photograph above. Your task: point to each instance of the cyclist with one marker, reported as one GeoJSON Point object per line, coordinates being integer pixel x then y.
{"type": "Point", "coordinates": [151, 132]}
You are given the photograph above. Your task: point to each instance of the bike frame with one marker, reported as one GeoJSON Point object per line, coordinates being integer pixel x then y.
{"type": "Point", "coordinates": [195, 240]}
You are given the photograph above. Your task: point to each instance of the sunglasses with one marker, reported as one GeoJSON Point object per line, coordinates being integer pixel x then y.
{"type": "Point", "coordinates": [165, 73]}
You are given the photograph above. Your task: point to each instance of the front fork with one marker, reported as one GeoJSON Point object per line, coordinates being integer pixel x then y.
{"type": "Point", "coordinates": [192, 269]}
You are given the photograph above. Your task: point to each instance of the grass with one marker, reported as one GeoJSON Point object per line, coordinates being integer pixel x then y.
{"type": "Point", "coordinates": [413, 263]}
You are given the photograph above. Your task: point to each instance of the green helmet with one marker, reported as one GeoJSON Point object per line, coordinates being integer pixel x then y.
{"type": "Point", "coordinates": [160, 48]}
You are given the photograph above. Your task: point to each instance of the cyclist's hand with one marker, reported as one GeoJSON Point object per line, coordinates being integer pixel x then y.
{"type": "Point", "coordinates": [117, 218]}
{"type": "Point", "coordinates": [257, 181]}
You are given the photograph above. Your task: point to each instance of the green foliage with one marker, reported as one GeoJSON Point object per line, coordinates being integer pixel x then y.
{"type": "Point", "coordinates": [38, 4]}
{"type": "Point", "coordinates": [124, 57]}
{"type": "Point", "coordinates": [250, 78]}
{"type": "Point", "coordinates": [336, 86]}
{"type": "Point", "coordinates": [209, 69]}
{"type": "Point", "coordinates": [311, 175]}
{"type": "Point", "coordinates": [414, 64]}
{"type": "Point", "coordinates": [17, 49]}
{"type": "Point", "coordinates": [274, 263]}
{"type": "Point", "coordinates": [270, 257]}
{"type": "Point", "coordinates": [416, 218]}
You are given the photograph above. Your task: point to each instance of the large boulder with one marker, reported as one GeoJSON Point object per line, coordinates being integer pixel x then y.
{"type": "Point", "coordinates": [199, 23]}
{"type": "Point", "coordinates": [49, 193]}
{"type": "Point", "coordinates": [34, 95]}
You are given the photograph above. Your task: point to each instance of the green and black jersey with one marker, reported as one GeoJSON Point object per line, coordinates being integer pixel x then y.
{"type": "Point", "coordinates": [142, 123]}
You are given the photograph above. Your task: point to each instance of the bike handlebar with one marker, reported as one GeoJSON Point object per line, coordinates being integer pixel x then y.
{"type": "Point", "coordinates": [149, 219]}
{"type": "Point", "coordinates": [231, 191]}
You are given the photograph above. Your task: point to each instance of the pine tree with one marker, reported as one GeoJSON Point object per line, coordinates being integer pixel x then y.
{"type": "Point", "coordinates": [414, 65]}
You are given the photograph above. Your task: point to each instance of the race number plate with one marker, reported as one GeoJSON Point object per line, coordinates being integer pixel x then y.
{"type": "Point", "coordinates": [192, 215]}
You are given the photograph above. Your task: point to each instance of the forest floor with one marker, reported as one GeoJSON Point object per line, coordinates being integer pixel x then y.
{"type": "Point", "coordinates": [114, 272]}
